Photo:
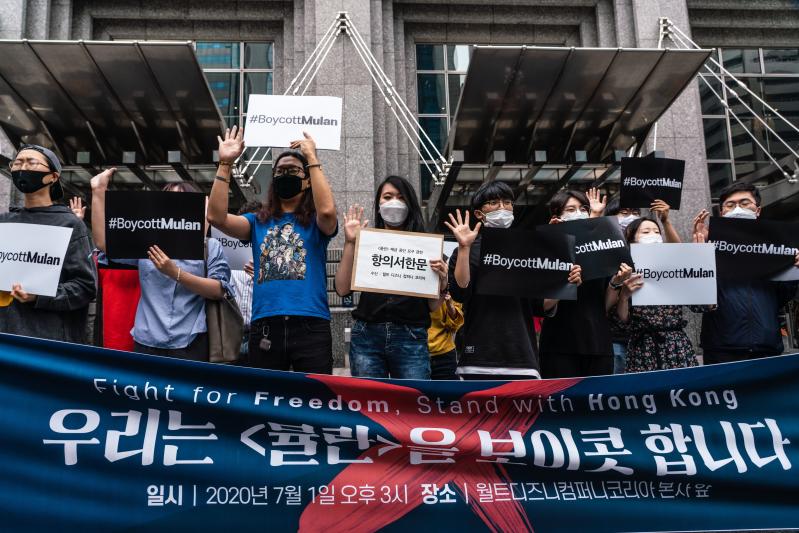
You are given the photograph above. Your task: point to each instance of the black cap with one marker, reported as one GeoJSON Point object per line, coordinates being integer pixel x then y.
{"type": "Point", "coordinates": [56, 191]}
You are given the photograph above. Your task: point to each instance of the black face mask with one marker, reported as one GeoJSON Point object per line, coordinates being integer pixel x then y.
{"type": "Point", "coordinates": [287, 186]}
{"type": "Point", "coordinates": [28, 181]}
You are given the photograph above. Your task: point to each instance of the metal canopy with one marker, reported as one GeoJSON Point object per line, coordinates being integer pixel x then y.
{"type": "Point", "coordinates": [109, 103]}
{"type": "Point", "coordinates": [536, 115]}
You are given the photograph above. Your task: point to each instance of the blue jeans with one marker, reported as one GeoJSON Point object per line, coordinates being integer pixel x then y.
{"type": "Point", "coordinates": [619, 357]}
{"type": "Point", "coordinates": [382, 350]}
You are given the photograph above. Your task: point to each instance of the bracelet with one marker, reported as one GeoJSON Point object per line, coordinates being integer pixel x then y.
{"type": "Point", "coordinates": [616, 286]}
{"type": "Point", "coordinates": [220, 178]}
{"type": "Point", "coordinates": [225, 164]}
{"type": "Point", "coordinates": [315, 165]}
{"type": "Point", "coordinates": [177, 279]}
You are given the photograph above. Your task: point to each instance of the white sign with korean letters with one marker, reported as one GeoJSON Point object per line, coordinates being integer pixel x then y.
{"type": "Point", "coordinates": [675, 274]}
{"type": "Point", "coordinates": [276, 120]}
{"type": "Point", "coordinates": [396, 262]}
{"type": "Point", "coordinates": [32, 255]}
{"type": "Point", "coordinates": [236, 252]}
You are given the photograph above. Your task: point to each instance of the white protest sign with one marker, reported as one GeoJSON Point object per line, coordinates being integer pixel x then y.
{"type": "Point", "coordinates": [396, 262]}
{"type": "Point", "coordinates": [276, 120]}
{"type": "Point", "coordinates": [449, 248]}
{"type": "Point", "coordinates": [32, 255]}
{"type": "Point", "coordinates": [675, 274]}
{"type": "Point", "coordinates": [236, 252]}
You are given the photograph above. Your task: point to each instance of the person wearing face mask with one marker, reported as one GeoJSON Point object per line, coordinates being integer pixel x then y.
{"type": "Point", "coordinates": [36, 172]}
{"type": "Point", "coordinates": [290, 233]}
{"type": "Point", "coordinates": [657, 338]}
{"type": "Point", "coordinates": [498, 340]}
{"type": "Point", "coordinates": [576, 341]}
{"type": "Point", "coordinates": [389, 332]}
{"type": "Point", "coordinates": [745, 324]}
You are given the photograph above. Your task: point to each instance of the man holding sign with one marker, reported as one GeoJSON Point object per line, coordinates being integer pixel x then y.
{"type": "Point", "coordinates": [746, 324]}
{"type": "Point", "coordinates": [62, 315]}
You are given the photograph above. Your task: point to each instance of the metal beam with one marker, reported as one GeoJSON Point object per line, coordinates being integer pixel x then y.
{"type": "Point", "coordinates": [580, 159]}
{"type": "Point", "coordinates": [496, 160]}
{"type": "Point", "coordinates": [178, 162]}
{"type": "Point", "coordinates": [539, 160]}
{"type": "Point", "coordinates": [84, 160]}
{"type": "Point", "coordinates": [130, 161]}
{"type": "Point", "coordinates": [440, 194]}
{"type": "Point", "coordinates": [617, 155]}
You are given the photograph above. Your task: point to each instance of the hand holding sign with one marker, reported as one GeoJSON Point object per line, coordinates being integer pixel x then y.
{"type": "Point", "coordinates": [232, 146]}
{"type": "Point", "coordinates": [307, 147]}
{"type": "Point", "coordinates": [660, 209]}
{"type": "Point", "coordinates": [576, 275]}
{"type": "Point", "coordinates": [20, 295]}
{"type": "Point", "coordinates": [461, 230]}
{"type": "Point", "coordinates": [162, 262]}
{"type": "Point", "coordinates": [441, 268]}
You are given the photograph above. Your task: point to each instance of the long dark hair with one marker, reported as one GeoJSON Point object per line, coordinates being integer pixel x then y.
{"type": "Point", "coordinates": [632, 228]}
{"type": "Point", "coordinates": [414, 221]}
{"type": "Point", "coordinates": [271, 208]}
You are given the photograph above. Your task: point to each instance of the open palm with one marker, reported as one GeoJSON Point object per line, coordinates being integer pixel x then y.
{"type": "Point", "coordinates": [461, 230]}
{"type": "Point", "coordinates": [232, 146]}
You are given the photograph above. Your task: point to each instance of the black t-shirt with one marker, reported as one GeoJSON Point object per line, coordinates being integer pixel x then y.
{"type": "Point", "coordinates": [498, 330]}
{"type": "Point", "coordinates": [408, 310]}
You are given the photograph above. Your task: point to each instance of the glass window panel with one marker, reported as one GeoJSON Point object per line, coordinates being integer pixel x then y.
{"type": "Point", "coordinates": [781, 61]}
{"type": "Point", "coordinates": [735, 103]}
{"type": "Point", "coordinates": [716, 141]}
{"type": "Point", "coordinates": [429, 57]}
{"type": "Point", "coordinates": [225, 88]}
{"type": "Point", "coordinates": [737, 61]}
{"type": "Point", "coordinates": [743, 146]}
{"type": "Point", "coordinates": [458, 56]}
{"type": "Point", "coordinates": [256, 83]}
{"type": "Point", "coordinates": [217, 55]}
{"type": "Point", "coordinates": [720, 175]}
{"type": "Point", "coordinates": [426, 179]}
{"type": "Point", "coordinates": [258, 55]}
{"type": "Point", "coordinates": [786, 133]}
{"type": "Point", "coordinates": [782, 94]}
{"type": "Point", "coordinates": [455, 88]}
{"type": "Point", "coordinates": [436, 129]}
{"type": "Point", "coordinates": [431, 96]}
{"type": "Point", "coordinates": [710, 102]}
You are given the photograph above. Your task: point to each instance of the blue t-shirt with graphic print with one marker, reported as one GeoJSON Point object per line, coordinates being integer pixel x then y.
{"type": "Point", "coordinates": [290, 274]}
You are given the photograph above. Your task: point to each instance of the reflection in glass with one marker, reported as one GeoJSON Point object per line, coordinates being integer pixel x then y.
{"type": "Point", "coordinates": [426, 179]}
{"type": "Point", "coordinates": [720, 175]}
{"type": "Point", "coordinates": [217, 55]}
{"type": "Point", "coordinates": [436, 129]}
{"type": "Point", "coordinates": [256, 83]}
{"type": "Point", "coordinates": [431, 96]}
{"type": "Point", "coordinates": [781, 61]}
{"type": "Point", "coordinates": [458, 57]}
{"type": "Point", "coordinates": [429, 57]}
{"type": "Point", "coordinates": [736, 104]}
{"type": "Point", "coordinates": [743, 146]}
{"type": "Point", "coordinates": [782, 94]}
{"type": "Point", "coordinates": [455, 87]}
{"type": "Point", "coordinates": [225, 88]}
{"type": "Point", "coordinates": [716, 138]}
{"type": "Point", "coordinates": [710, 102]}
{"type": "Point", "coordinates": [737, 61]}
{"type": "Point", "coordinates": [258, 55]}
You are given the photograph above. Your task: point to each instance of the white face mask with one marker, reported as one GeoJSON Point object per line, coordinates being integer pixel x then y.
{"type": "Point", "coordinates": [501, 218]}
{"type": "Point", "coordinates": [626, 221]}
{"type": "Point", "coordinates": [650, 238]}
{"type": "Point", "coordinates": [574, 215]}
{"type": "Point", "coordinates": [394, 212]}
{"type": "Point", "coordinates": [740, 212]}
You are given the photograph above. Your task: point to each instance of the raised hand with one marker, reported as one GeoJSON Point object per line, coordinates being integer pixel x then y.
{"type": "Point", "coordinates": [661, 209]}
{"type": "Point", "coordinates": [700, 224]}
{"type": "Point", "coordinates": [624, 272]}
{"type": "Point", "coordinates": [232, 145]}
{"type": "Point", "coordinates": [307, 147]}
{"type": "Point", "coordinates": [353, 222]}
{"type": "Point", "coordinates": [461, 230]}
{"type": "Point", "coordinates": [100, 182]}
{"type": "Point", "coordinates": [576, 275]}
{"type": "Point", "coordinates": [77, 207]}
{"type": "Point", "coordinates": [597, 202]}
{"type": "Point", "coordinates": [162, 262]}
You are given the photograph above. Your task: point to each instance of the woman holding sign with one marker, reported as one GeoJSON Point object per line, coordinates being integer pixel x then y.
{"type": "Point", "coordinates": [290, 325]}
{"type": "Point", "coordinates": [389, 335]}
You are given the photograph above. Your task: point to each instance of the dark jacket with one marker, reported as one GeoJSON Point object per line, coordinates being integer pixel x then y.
{"type": "Point", "coordinates": [746, 321]}
{"type": "Point", "coordinates": [63, 316]}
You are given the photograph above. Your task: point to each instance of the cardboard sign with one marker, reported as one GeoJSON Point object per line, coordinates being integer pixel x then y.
{"type": "Point", "coordinates": [134, 221]}
{"type": "Point", "coordinates": [599, 245]}
{"type": "Point", "coordinates": [646, 179]}
{"type": "Point", "coordinates": [237, 252]}
{"type": "Point", "coordinates": [675, 274]}
{"type": "Point", "coordinates": [531, 264]}
{"type": "Point", "coordinates": [396, 262]}
{"type": "Point", "coordinates": [276, 120]}
{"type": "Point", "coordinates": [33, 256]}
{"type": "Point", "coordinates": [753, 249]}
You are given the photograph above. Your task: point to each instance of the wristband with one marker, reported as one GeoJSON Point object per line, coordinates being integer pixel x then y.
{"type": "Point", "coordinates": [224, 164]}
{"type": "Point", "coordinates": [315, 165]}
{"type": "Point", "coordinates": [220, 178]}
{"type": "Point", "coordinates": [616, 286]}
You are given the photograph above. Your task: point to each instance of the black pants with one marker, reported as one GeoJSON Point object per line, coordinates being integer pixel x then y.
{"type": "Point", "coordinates": [569, 365]}
{"type": "Point", "coordinates": [197, 350]}
{"type": "Point", "coordinates": [716, 358]}
{"type": "Point", "coordinates": [443, 366]}
{"type": "Point", "coordinates": [299, 343]}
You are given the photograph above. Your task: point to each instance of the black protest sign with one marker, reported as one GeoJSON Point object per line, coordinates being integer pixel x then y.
{"type": "Point", "coordinates": [529, 264]}
{"type": "Point", "coordinates": [599, 245]}
{"type": "Point", "coordinates": [134, 221]}
{"type": "Point", "coordinates": [646, 179]}
{"type": "Point", "coordinates": [753, 249]}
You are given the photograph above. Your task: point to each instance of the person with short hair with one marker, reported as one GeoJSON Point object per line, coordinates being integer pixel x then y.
{"type": "Point", "coordinates": [498, 337]}
{"type": "Point", "coordinates": [36, 172]}
{"type": "Point", "coordinates": [745, 324]}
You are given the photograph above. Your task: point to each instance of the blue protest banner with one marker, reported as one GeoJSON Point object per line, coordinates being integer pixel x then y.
{"type": "Point", "coordinates": [108, 440]}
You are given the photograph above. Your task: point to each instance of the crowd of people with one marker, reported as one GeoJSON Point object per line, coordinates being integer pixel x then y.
{"type": "Point", "coordinates": [460, 334]}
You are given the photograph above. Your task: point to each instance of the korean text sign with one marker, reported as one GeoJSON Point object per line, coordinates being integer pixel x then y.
{"type": "Point", "coordinates": [396, 262]}
{"type": "Point", "coordinates": [675, 274]}
{"type": "Point", "coordinates": [645, 179]}
{"type": "Point", "coordinates": [277, 120]}
{"type": "Point", "coordinates": [120, 441]}
{"type": "Point", "coordinates": [33, 256]}
{"type": "Point", "coordinates": [136, 220]}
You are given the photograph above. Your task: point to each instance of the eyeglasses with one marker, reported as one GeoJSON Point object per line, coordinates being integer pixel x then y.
{"type": "Point", "coordinates": [625, 212]}
{"type": "Point", "coordinates": [290, 170]}
{"type": "Point", "coordinates": [30, 162]}
{"type": "Point", "coordinates": [746, 203]}
{"type": "Point", "coordinates": [494, 204]}
{"type": "Point", "coordinates": [572, 209]}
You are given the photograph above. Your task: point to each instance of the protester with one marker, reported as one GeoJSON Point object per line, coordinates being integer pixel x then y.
{"type": "Point", "coordinates": [36, 172]}
{"type": "Point", "coordinates": [498, 337]}
{"type": "Point", "coordinates": [241, 282]}
{"type": "Point", "coordinates": [444, 324]}
{"type": "Point", "coordinates": [389, 334]}
{"type": "Point", "coordinates": [657, 339]}
{"type": "Point", "coordinates": [576, 341]}
{"type": "Point", "coordinates": [745, 324]}
{"type": "Point", "coordinates": [290, 325]}
{"type": "Point", "coordinates": [170, 317]}
{"type": "Point", "coordinates": [624, 215]}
